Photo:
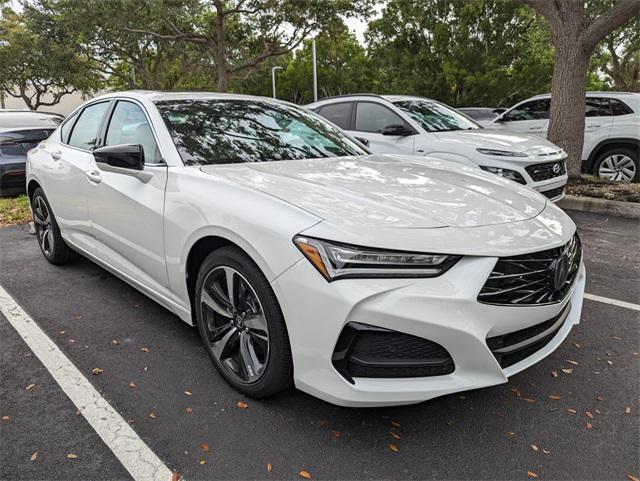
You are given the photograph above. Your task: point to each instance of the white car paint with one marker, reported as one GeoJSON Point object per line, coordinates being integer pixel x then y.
{"type": "Point", "coordinates": [142, 226]}
{"type": "Point", "coordinates": [459, 146]}
{"type": "Point", "coordinates": [602, 133]}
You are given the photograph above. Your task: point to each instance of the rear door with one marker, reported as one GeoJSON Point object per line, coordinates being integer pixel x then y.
{"type": "Point", "coordinates": [126, 211]}
{"type": "Point", "coordinates": [370, 118]}
{"type": "Point", "coordinates": [530, 117]}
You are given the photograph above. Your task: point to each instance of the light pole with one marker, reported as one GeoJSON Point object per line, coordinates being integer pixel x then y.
{"type": "Point", "coordinates": [273, 79]}
{"type": "Point", "coordinates": [315, 76]}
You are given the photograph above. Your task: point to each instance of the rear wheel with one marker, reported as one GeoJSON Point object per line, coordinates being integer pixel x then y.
{"type": "Point", "coordinates": [620, 165]}
{"type": "Point", "coordinates": [50, 241]}
{"type": "Point", "coordinates": [241, 324]}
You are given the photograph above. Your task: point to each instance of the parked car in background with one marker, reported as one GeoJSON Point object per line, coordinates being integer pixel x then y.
{"type": "Point", "coordinates": [611, 135]}
{"type": "Point", "coordinates": [364, 279]}
{"type": "Point", "coordinates": [21, 130]}
{"type": "Point", "coordinates": [481, 114]}
{"type": "Point", "coordinates": [401, 124]}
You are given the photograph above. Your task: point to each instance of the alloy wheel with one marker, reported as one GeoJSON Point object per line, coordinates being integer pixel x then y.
{"type": "Point", "coordinates": [617, 167]}
{"type": "Point", "coordinates": [235, 324]}
{"type": "Point", "coordinates": [42, 220]}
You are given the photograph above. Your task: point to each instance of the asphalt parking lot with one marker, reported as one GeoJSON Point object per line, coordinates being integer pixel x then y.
{"type": "Point", "coordinates": [572, 416]}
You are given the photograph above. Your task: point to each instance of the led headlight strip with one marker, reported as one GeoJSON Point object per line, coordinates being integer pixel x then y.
{"type": "Point", "coordinates": [339, 261]}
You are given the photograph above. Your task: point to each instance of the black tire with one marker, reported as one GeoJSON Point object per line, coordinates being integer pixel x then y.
{"type": "Point", "coordinates": [277, 370]}
{"type": "Point", "coordinates": [622, 152]}
{"type": "Point", "coordinates": [52, 246]}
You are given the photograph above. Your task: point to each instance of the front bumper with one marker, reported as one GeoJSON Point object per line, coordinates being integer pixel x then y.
{"type": "Point", "coordinates": [443, 310]}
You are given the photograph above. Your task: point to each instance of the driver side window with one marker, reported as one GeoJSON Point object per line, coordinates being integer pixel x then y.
{"type": "Point", "coordinates": [534, 110]}
{"type": "Point", "coordinates": [129, 125]}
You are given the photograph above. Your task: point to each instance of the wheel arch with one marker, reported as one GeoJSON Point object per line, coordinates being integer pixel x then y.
{"type": "Point", "coordinates": [31, 188]}
{"type": "Point", "coordinates": [608, 144]}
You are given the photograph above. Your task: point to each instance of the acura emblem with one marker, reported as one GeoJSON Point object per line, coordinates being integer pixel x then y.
{"type": "Point", "coordinates": [559, 273]}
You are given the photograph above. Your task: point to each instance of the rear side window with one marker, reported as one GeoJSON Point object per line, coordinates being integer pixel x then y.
{"type": "Point", "coordinates": [534, 110]}
{"type": "Point", "coordinates": [597, 107]}
{"type": "Point", "coordinates": [371, 117]}
{"type": "Point", "coordinates": [129, 125]}
{"type": "Point", "coordinates": [618, 107]}
{"type": "Point", "coordinates": [85, 131]}
{"type": "Point", "coordinates": [339, 114]}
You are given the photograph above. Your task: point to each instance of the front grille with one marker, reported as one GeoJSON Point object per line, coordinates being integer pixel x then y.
{"type": "Point", "coordinates": [513, 347]}
{"type": "Point", "coordinates": [538, 278]}
{"type": "Point", "coordinates": [368, 351]}
{"type": "Point", "coordinates": [547, 170]}
{"type": "Point", "coordinates": [553, 193]}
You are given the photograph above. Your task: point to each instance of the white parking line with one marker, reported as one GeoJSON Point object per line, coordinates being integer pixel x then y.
{"type": "Point", "coordinates": [131, 451]}
{"type": "Point", "coordinates": [613, 302]}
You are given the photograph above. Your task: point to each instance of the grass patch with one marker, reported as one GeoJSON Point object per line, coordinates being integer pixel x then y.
{"type": "Point", "coordinates": [14, 210]}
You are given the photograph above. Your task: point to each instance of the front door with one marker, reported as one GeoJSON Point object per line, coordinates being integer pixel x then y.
{"type": "Point", "coordinates": [531, 117]}
{"type": "Point", "coordinates": [370, 119]}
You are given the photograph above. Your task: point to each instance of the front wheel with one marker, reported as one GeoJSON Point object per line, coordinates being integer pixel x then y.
{"type": "Point", "coordinates": [241, 324]}
{"type": "Point", "coordinates": [619, 165]}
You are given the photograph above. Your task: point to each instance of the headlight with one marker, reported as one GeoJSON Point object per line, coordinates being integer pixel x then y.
{"type": "Point", "coordinates": [501, 153]}
{"type": "Point", "coordinates": [506, 173]}
{"type": "Point", "coordinates": [339, 261]}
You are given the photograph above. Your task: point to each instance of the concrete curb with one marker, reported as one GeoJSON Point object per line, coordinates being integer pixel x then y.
{"type": "Point", "coordinates": [630, 210]}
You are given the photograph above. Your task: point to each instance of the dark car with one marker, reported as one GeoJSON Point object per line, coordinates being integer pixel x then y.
{"type": "Point", "coordinates": [20, 131]}
{"type": "Point", "coordinates": [481, 113]}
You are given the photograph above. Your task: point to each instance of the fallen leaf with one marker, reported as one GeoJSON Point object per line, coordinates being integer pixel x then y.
{"type": "Point", "coordinates": [269, 467]}
{"type": "Point", "coordinates": [589, 426]}
{"type": "Point", "coordinates": [515, 391]}
{"type": "Point", "coordinates": [529, 400]}
{"type": "Point", "coordinates": [5, 418]}
{"type": "Point", "coordinates": [395, 423]}
{"type": "Point", "coordinates": [572, 362]}
{"type": "Point", "coordinates": [96, 370]}
{"type": "Point", "coordinates": [115, 342]}
{"type": "Point", "coordinates": [531, 474]}
{"type": "Point", "coordinates": [567, 371]}
{"type": "Point", "coordinates": [72, 456]}
{"type": "Point", "coordinates": [627, 410]}
{"type": "Point", "coordinates": [546, 451]}
{"type": "Point", "coordinates": [72, 340]}
{"type": "Point", "coordinates": [188, 410]}
{"type": "Point", "coordinates": [242, 405]}
{"type": "Point", "coordinates": [510, 433]}
{"type": "Point", "coordinates": [337, 434]}
{"type": "Point", "coordinates": [394, 435]}
{"type": "Point", "coordinates": [555, 397]}
{"type": "Point", "coordinates": [175, 476]}
{"type": "Point", "coordinates": [600, 398]}
{"type": "Point", "coordinates": [572, 411]}
{"type": "Point", "coordinates": [577, 345]}
{"type": "Point", "coordinates": [132, 385]}
{"type": "Point", "coordinates": [146, 368]}
{"type": "Point", "coordinates": [632, 477]}
{"type": "Point", "coordinates": [188, 393]}
{"type": "Point", "coordinates": [393, 448]}
{"type": "Point", "coordinates": [144, 349]}
{"type": "Point", "coordinates": [554, 373]}
{"type": "Point", "coordinates": [534, 447]}
{"type": "Point", "coordinates": [588, 414]}
{"type": "Point", "coordinates": [152, 415]}
{"type": "Point", "coordinates": [202, 461]}
{"type": "Point", "coordinates": [34, 456]}
{"type": "Point", "coordinates": [616, 338]}
{"type": "Point", "coordinates": [305, 474]}
{"type": "Point", "coordinates": [204, 447]}
{"type": "Point", "coordinates": [598, 411]}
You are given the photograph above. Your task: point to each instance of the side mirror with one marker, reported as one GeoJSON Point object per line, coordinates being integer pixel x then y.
{"type": "Point", "coordinates": [499, 111]}
{"type": "Point", "coordinates": [363, 141]}
{"type": "Point", "coordinates": [123, 156]}
{"type": "Point", "coordinates": [397, 130]}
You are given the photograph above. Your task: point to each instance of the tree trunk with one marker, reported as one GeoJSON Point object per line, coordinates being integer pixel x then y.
{"type": "Point", "coordinates": [568, 93]}
{"type": "Point", "coordinates": [223, 78]}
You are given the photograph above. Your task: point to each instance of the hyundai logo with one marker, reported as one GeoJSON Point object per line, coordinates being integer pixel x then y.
{"type": "Point", "coordinates": [556, 168]}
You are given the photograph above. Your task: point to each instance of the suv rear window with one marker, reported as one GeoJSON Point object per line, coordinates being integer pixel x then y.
{"type": "Point", "coordinates": [618, 107]}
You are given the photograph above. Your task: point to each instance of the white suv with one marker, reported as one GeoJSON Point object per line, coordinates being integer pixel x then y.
{"type": "Point", "coordinates": [400, 124]}
{"type": "Point", "coordinates": [611, 134]}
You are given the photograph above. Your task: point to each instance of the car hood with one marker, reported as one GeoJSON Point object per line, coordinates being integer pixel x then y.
{"type": "Point", "coordinates": [388, 191]}
{"type": "Point", "coordinates": [501, 140]}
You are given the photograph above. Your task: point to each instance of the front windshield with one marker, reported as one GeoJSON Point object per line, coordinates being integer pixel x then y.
{"type": "Point", "coordinates": [238, 131]}
{"type": "Point", "coordinates": [435, 117]}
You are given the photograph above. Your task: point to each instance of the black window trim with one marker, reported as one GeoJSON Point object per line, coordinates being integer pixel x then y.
{"type": "Point", "coordinates": [517, 106]}
{"type": "Point", "coordinates": [354, 114]}
{"type": "Point", "coordinates": [77, 115]}
{"type": "Point", "coordinates": [106, 121]}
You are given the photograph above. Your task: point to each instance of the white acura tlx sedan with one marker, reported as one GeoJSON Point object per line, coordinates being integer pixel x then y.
{"type": "Point", "coordinates": [303, 259]}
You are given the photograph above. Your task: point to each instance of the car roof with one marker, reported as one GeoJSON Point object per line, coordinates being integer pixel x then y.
{"type": "Point", "coordinates": [388, 98]}
{"type": "Point", "coordinates": [161, 96]}
{"type": "Point", "coordinates": [27, 118]}
{"type": "Point", "coordinates": [594, 93]}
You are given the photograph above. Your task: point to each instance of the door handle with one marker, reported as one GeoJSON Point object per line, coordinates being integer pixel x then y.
{"type": "Point", "coordinates": [56, 155]}
{"type": "Point", "coordinates": [94, 176]}
{"type": "Point", "coordinates": [534, 128]}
